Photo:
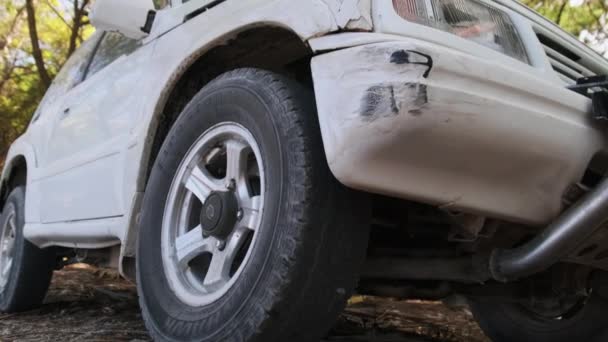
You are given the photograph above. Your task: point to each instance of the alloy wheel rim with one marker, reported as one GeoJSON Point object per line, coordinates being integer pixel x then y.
{"type": "Point", "coordinates": [212, 214]}
{"type": "Point", "coordinates": [7, 245]}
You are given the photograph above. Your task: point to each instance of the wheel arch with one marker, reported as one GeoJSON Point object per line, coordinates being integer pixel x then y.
{"type": "Point", "coordinates": [267, 46]}
{"type": "Point", "coordinates": [15, 175]}
{"type": "Point", "coordinates": [312, 19]}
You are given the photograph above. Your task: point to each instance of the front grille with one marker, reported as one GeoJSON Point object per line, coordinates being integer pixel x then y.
{"type": "Point", "coordinates": [565, 62]}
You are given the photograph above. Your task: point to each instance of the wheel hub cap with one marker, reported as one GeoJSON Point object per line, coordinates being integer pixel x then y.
{"type": "Point", "coordinates": [219, 214]}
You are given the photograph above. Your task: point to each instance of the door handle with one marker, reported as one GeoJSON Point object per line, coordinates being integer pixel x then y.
{"type": "Point", "coordinates": [66, 112]}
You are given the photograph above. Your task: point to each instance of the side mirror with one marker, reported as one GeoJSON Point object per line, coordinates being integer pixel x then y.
{"type": "Point", "coordinates": [133, 18]}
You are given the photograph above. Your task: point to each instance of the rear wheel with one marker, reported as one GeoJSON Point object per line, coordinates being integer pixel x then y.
{"type": "Point", "coordinates": [583, 320]}
{"type": "Point", "coordinates": [245, 234]}
{"type": "Point", "coordinates": [25, 270]}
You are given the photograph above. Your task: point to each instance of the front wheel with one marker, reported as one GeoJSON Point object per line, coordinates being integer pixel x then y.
{"type": "Point", "coordinates": [245, 234]}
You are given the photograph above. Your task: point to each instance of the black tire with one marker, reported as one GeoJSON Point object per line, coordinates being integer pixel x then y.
{"type": "Point", "coordinates": [314, 231]}
{"type": "Point", "coordinates": [504, 322]}
{"type": "Point", "coordinates": [32, 267]}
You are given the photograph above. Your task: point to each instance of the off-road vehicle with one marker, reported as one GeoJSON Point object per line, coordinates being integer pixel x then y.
{"type": "Point", "coordinates": [253, 163]}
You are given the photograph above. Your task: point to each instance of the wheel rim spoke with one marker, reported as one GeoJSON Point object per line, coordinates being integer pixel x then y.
{"type": "Point", "coordinates": [191, 245]}
{"type": "Point", "coordinates": [218, 272]}
{"type": "Point", "coordinates": [251, 212]}
{"type": "Point", "coordinates": [235, 159]}
{"type": "Point", "coordinates": [235, 242]}
{"type": "Point", "coordinates": [7, 242]}
{"type": "Point", "coordinates": [200, 184]}
{"type": "Point", "coordinates": [12, 226]}
{"type": "Point", "coordinates": [221, 262]}
{"type": "Point", "coordinates": [7, 267]}
{"type": "Point", "coordinates": [9, 248]}
{"type": "Point", "coordinates": [236, 166]}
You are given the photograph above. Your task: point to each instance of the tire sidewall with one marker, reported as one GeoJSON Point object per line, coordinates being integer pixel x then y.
{"type": "Point", "coordinates": [228, 102]}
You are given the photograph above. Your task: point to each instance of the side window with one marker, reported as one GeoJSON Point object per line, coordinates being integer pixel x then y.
{"type": "Point", "coordinates": [74, 69]}
{"type": "Point", "coordinates": [71, 73]}
{"type": "Point", "coordinates": [112, 46]}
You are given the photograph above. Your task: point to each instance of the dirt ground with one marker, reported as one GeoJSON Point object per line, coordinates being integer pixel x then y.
{"type": "Point", "coordinates": [89, 304]}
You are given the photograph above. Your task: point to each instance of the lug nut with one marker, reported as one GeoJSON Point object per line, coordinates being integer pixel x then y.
{"type": "Point", "coordinates": [231, 185]}
{"type": "Point", "coordinates": [239, 214]}
{"type": "Point", "coordinates": [221, 244]}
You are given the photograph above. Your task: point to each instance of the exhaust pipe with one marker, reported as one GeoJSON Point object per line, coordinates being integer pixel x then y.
{"type": "Point", "coordinates": [557, 242]}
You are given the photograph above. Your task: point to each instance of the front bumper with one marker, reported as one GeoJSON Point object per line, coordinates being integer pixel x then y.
{"type": "Point", "coordinates": [423, 122]}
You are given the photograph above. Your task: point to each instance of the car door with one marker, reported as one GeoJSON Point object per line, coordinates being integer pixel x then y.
{"type": "Point", "coordinates": [44, 120]}
{"type": "Point", "coordinates": [82, 164]}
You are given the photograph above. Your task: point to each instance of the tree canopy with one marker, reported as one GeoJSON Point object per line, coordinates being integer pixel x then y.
{"type": "Point", "coordinates": [585, 19]}
{"type": "Point", "coordinates": [37, 37]}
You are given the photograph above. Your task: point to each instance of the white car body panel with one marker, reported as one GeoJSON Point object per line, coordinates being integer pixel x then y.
{"type": "Point", "coordinates": [467, 137]}
{"type": "Point", "coordinates": [129, 16]}
{"type": "Point", "coordinates": [22, 149]}
{"type": "Point", "coordinates": [487, 119]}
{"type": "Point", "coordinates": [86, 144]}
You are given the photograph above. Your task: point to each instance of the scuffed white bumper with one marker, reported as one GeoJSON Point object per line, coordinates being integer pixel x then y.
{"type": "Point", "coordinates": [423, 122]}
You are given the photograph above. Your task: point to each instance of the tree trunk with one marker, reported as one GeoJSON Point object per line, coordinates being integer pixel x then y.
{"type": "Point", "coordinates": [560, 14]}
{"type": "Point", "coordinates": [76, 25]}
{"type": "Point", "coordinates": [36, 52]}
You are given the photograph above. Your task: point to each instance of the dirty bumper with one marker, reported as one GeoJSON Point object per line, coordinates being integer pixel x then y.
{"type": "Point", "coordinates": [423, 122]}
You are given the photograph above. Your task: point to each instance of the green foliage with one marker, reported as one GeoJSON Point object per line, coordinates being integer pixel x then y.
{"type": "Point", "coordinates": [585, 19]}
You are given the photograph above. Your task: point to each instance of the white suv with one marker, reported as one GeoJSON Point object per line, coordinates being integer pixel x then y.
{"type": "Point", "coordinates": [251, 163]}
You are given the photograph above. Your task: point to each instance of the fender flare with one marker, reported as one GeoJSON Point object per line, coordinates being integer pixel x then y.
{"type": "Point", "coordinates": [19, 150]}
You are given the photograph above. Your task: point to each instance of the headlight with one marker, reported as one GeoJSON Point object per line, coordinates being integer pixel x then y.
{"type": "Point", "coordinates": [468, 19]}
